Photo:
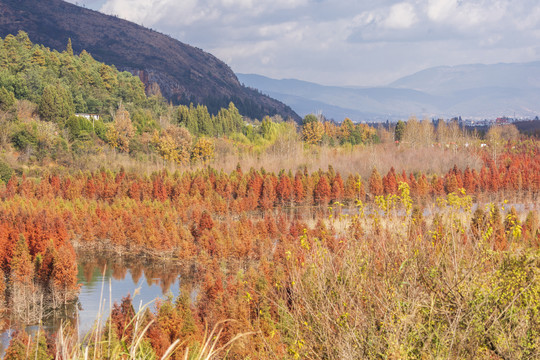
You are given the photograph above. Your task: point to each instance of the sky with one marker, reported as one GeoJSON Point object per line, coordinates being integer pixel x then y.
{"type": "Point", "coordinates": [343, 42]}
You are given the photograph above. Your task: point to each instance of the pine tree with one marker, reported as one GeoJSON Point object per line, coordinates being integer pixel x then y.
{"type": "Point", "coordinates": [56, 104]}
{"type": "Point", "coordinates": [7, 100]}
{"type": "Point", "coordinates": [108, 76]}
{"type": "Point", "coordinates": [399, 131]}
{"type": "Point", "coordinates": [69, 48]}
{"type": "Point", "coordinates": [346, 130]}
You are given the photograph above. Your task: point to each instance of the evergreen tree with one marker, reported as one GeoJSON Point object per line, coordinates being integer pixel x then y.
{"type": "Point", "coordinates": [8, 111]}
{"type": "Point", "coordinates": [69, 48]}
{"type": "Point", "coordinates": [346, 130]}
{"type": "Point", "coordinates": [109, 77]}
{"type": "Point", "coordinates": [400, 130]}
{"type": "Point", "coordinates": [309, 118]}
{"type": "Point", "coordinates": [56, 104]}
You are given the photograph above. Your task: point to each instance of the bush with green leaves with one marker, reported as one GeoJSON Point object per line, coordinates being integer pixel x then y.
{"type": "Point", "coordinates": [5, 171]}
{"type": "Point", "coordinates": [24, 138]}
{"type": "Point", "coordinates": [78, 125]}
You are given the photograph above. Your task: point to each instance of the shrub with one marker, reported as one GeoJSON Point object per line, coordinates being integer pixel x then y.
{"type": "Point", "coordinates": [5, 171]}
{"type": "Point", "coordinates": [23, 139]}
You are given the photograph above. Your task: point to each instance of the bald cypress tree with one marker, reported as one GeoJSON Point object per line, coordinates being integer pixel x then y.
{"type": "Point", "coordinates": [22, 270]}
{"type": "Point", "coordinates": [322, 191]}
{"type": "Point", "coordinates": [375, 183]}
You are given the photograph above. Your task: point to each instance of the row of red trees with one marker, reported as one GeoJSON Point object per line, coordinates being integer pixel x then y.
{"type": "Point", "coordinates": [219, 192]}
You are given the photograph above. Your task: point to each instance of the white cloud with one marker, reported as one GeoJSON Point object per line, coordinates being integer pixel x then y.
{"type": "Point", "coordinates": [467, 13]}
{"type": "Point", "coordinates": [402, 16]}
{"type": "Point", "coordinates": [530, 20]}
{"type": "Point", "coordinates": [440, 10]}
{"type": "Point", "coordinates": [151, 12]}
{"type": "Point", "coordinates": [187, 12]}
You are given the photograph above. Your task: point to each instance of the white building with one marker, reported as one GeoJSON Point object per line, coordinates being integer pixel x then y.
{"type": "Point", "coordinates": [90, 117]}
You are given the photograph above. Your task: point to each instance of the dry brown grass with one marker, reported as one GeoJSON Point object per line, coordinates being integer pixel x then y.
{"type": "Point", "coordinates": [358, 159]}
{"type": "Point", "coordinates": [399, 295]}
{"type": "Point", "coordinates": [293, 155]}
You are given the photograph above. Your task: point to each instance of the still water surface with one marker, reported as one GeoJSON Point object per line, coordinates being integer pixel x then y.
{"type": "Point", "coordinates": [106, 280]}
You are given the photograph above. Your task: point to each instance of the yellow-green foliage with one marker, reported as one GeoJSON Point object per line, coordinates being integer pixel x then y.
{"type": "Point", "coordinates": [444, 293]}
{"type": "Point", "coordinates": [259, 137]}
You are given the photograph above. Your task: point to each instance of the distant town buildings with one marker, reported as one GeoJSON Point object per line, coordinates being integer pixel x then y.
{"type": "Point", "coordinates": [503, 120]}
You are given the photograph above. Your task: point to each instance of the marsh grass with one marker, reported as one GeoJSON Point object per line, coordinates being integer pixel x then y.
{"type": "Point", "coordinates": [358, 159]}
{"type": "Point", "coordinates": [415, 288]}
{"type": "Point", "coordinates": [99, 344]}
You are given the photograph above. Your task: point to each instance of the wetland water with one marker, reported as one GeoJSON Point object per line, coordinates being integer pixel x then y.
{"type": "Point", "coordinates": [107, 279]}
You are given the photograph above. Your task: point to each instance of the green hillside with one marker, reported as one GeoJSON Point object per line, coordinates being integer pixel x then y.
{"type": "Point", "coordinates": [33, 72]}
{"type": "Point", "coordinates": [63, 107]}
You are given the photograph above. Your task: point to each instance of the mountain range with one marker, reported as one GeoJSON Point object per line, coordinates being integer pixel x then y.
{"type": "Point", "coordinates": [474, 91]}
{"type": "Point", "coordinates": [184, 73]}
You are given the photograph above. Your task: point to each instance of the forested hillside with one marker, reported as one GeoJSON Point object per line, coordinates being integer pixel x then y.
{"type": "Point", "coordinates": [77, 83]}
{"type": "Point", "coordinates": [182, 73]}
{"type": "Point", "coordinates": [43, 90]}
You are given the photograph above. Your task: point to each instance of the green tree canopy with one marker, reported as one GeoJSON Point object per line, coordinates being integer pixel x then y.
{"type": "Point", "coordinates": [7, 99]}
{"type": "Point", "coordinates": [309, 118]}
{"type": "Point", "coordinates": [56, 104]}
{"type": "Point", "coordinates": [400, 130]}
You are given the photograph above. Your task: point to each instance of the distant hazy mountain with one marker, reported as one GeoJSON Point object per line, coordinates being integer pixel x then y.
{"type": "Point", "coordinates": [470, 91]}
{"type": "Point", "coordinates": [450, 79]}
{"type": "Point", "coordinates": [337, 103]}
{"type": "Point", "coordinates": [184, 73]}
